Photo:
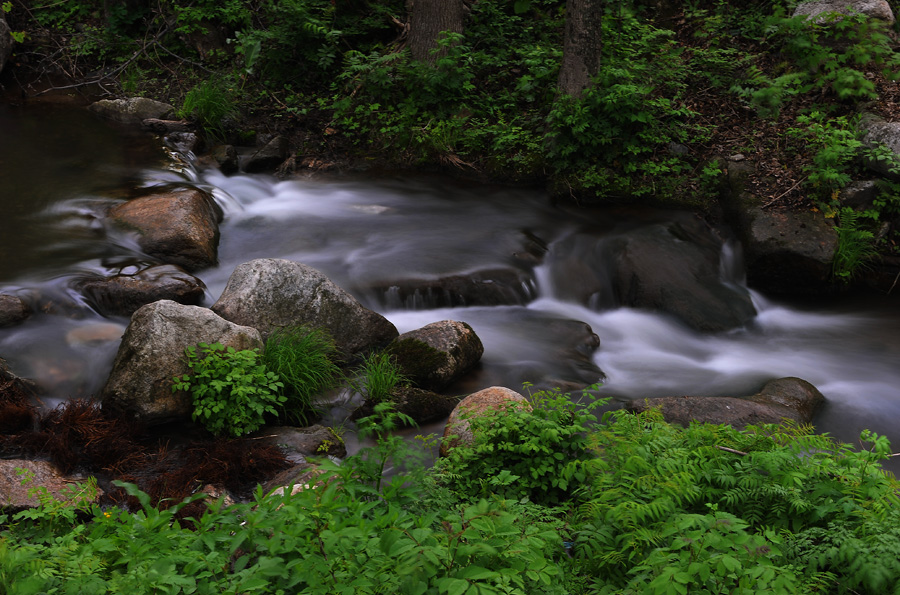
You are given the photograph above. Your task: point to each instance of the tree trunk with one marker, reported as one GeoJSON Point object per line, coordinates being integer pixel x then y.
{"type": "Point", "coordinates": [582, 46]}
{"type": "Point", "coordinates": [429, 18]}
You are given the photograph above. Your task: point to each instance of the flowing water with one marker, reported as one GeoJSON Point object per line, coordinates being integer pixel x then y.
{"type": "Point", "coordinates": [365, 233]}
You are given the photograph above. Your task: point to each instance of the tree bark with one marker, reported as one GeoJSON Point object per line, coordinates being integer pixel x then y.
{"type": "Point", "coordinates": [582, 45]}
{"type": "Point", "coordinates": [428, 19]}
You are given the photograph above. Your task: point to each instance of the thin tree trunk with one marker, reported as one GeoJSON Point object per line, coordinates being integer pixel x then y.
{"type": "Point", "coordinates": [429, 18]}
{"type": "Point", "coordinates": [582, 45]}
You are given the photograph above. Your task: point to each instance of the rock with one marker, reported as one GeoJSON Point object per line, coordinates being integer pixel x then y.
{"type": "Point", "coordinates": [180, 227]}
{"type": "Point", "coordinates": [226, 158]}
{"type": "Point", "coordinates": [435, 355]}
{"type": "Point", "coordinates": [94, 333]}
{"type": "Point", "coordinates": [299, 443]}
{"type": "Point", "coordinates": [494, 287]}
{"type": "Point", "coordinates": [423, 406]}
{"type": "Point", "coordinates": [673, 269]}
{"type": "Point", "coordinates": [298, 478]}
{"type": "Point", "coordinates": [458, 429]}
{"type": "Point", "coordinates": [163, 127]}
{"type": "Point", "coordinates": [268, 294]}
{"type": "Point", "coordinates": [786, 252]}
{"type": "Point", "coordinates": [152, 353]}
{"type": "Point", "coordinates": [14, 495]}
{"type": "Point", "coordinates": [883, 137]}
{"type": "Point", "coordinates": [784, 398]}
{"type": "Point", "coordinates": [183, 142]}
{"type": "Point", "coordinates": [6, 41]}
{"type": "Point", "coordinates": [121, 295]}
{"type": "Point", "coordinates": [269, 157]}
{"type": "Point", "coordinates": [859, 195]}
{"type": "Point", "coordinates": [818, 9]}
{"type": "Point", "coordinates": [14, 389]}
{"type": "Point", "coordinates": [12, 310]}
{"type": "Point", "coordinates": [133, 110]}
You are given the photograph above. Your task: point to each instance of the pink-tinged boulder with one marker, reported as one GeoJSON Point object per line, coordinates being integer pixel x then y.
{"type": "Point", "coordinates": [458, 429]}
{"type": "Point", "coordinates": [180, 227]}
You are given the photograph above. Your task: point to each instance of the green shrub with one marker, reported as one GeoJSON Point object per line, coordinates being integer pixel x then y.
{"type": "Point", "coordinates": [520, 452]}
{"type": "Point", "coordinates": [303, 359]}
{"type": "Point", "coordinates": [209, 103]}
{"type": "Point", "coordinates": [231, 391]}
{"type": "Point", "coordinates": [855, 248]}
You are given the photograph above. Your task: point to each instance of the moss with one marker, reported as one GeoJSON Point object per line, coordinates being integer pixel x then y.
{"type": "Point", "coordinates": [417, 360]}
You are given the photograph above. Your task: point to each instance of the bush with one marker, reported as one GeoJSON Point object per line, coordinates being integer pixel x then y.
{"type": "Point", "coordinates": [377, 378]}
{"type": "Point", "coordinates": [231, 390]}
{"type": "Point", "coordinates": [518, 452]}
{"type": "Point", "coordinates": [303, 358]}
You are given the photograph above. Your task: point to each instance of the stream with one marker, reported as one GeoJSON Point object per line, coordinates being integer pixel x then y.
{"type": "Point", "coordinates": [59, 172]}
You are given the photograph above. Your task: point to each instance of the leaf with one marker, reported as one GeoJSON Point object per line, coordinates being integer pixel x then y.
{"type": "Point", "coordinates": [452, 586]}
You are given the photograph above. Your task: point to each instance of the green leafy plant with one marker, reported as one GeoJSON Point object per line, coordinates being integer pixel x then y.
{"type": "Point", "coordinates": [303, 358]}
{"type": "Point", "coordinates": [210, 103]}
{"type": "Point", "coordinates": [533, 452]}
{"type": "Point", "coordinates": [855, 248]}
{"type": "Point", "coordinates": [231, 391]}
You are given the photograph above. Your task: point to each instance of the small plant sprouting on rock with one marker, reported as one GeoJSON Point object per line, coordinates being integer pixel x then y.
{"type": "Point", "coordinates": [231, 390]}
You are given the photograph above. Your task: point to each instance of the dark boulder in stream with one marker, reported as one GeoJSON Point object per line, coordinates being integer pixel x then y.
{"type": "Point", "coordinates": [121, 295]}
{"type": "Point", "coordinates": [435, 355]}
{"type": "Point", "coordinates": [152, 353]}
{"type": "Point", "coordinates": [493, 287]}
{"type": "Point", "coordinates": [268, 294]}
{"type": "Point", "coordinates": [12, 310]}
{"type": "Point", "coordinates": [180, 227]}
{"type": "Point", "coordinates": [785, 398]}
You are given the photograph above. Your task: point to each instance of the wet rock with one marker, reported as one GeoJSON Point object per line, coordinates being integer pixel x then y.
{"type": "Point", "coordinates": [435, 355]}
{"type": "Point", "coordinates": [304, 476]}
{"type": "Point", "coordinates": [818, 10]}
{"type": "Point", "coordinates": [269, 293]}
{"type": "Point", "coordinates": [152, 353]}
{"type": "Point", "coordinates": [184, 142]}
{"type": "Point", "coordinates": [495, 287]}
{"type": "Point", "coordinates": [133, 110]}
{"type": "Point", "coordinates": [674, 269]}
{"type": "Point", "coordinates": [298, 443]}
{"type": "Point", "coordinates": [423, 406]}
{"type": "Point", "coordinates": [13, 389]}
{"type": "Point", "coordinates": [225, 157]}
{"type": "Point", "coordinates": [163, 127]}
{"type": "Point", "coordinates": [121, 295]}
{"type": "Point", "coordinates": [784, 398]}
{"type": "Point", "coordinates": [458, 429]}
{"type": "Point", "coordinates": [6, 41]}
{"type": "Point", "coordinates": [180, 227]}
{"type": "Point", "coordinates": [269, 157]}
{"type": "Point", "coordinates": [786, 252]}
{"type": "Point", "coordinates": [12, 310]}
{"type": "Point", "coordinates": [14, 494]}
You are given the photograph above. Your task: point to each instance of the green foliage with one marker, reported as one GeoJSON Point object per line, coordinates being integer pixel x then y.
{"type": "Point", "coordinates": [231, 391]}
{"type": "Point", "coordinates": [304, 360]}
{"type": "Point", "coordinates": [856, 246]}
{"type": "Point", "coordinates": [210, 103]}
{"type": "Point", "coordinates": [535, 452]}
{"type": "Point", "coordinates": [377, 377]}
{"type": "Point", "coordinates": [836, 145]}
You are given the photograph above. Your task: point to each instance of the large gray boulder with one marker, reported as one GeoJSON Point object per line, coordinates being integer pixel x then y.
{"type": "Point", "coordinates": [785, 251]}
{"type": "Point", "coordinates": [785, 398]}
{"type": "Point", "coordinates": [6, 41]}
{"type": "Point", "coordinates": [818, 10]}
{"type": "Point", "coordinates": [484, 402]}
{"type": "Point", "coordinates": [269, 156]}
{"type": "Point", "coordinates": [884, 137]}
{"type": "Point", "coordinates": [152, 353]}
{"type": "Point", "coordinates": [121, 295]}
{"type": "Point", "coordinates": [180, 227]}
{"type": "Point", "coordinates": [435, 355]}
{"type": "Point", "coordinates": [132, 110]}
{"type": "Point", "coordinates": [269, 294]}
{"type": "Point", "coordinates": [675, 269]}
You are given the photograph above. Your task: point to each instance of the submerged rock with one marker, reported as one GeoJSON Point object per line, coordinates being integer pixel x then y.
{"type": "Point", "coordinates": [458, 429]}
{"type": "Point", "coordinates": [435, 355]}
{"type": "Point", "coordinates": [152, 353]}
{"type": "Point", "coordinates": [180, 227]}
{"type": "Point", "coordinates": [121, 295]}
{"type": "Point", "coordinates": [784, 398]}
{"type": "Point", "coordinates": [268, 294]}
{"type": "Point", "coordinates": [12, 310]}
